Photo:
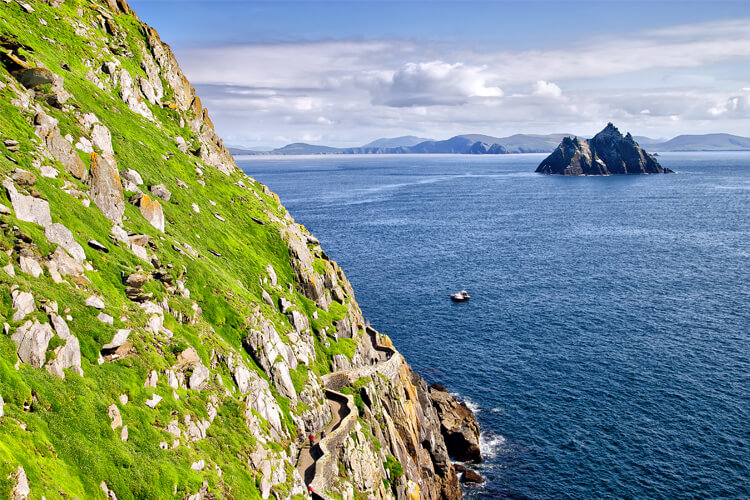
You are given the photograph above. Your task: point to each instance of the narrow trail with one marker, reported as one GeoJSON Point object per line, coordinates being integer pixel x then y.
{"type": "Point", "coordinates": [309, 455]}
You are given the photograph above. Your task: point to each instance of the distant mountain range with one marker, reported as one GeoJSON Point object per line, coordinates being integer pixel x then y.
{"type": "Point", "coordinates": [485, 144]}
{"type": "Point", "coordinates": [706, 142]}
{"type": "Point", "coordinates": [396, 142]}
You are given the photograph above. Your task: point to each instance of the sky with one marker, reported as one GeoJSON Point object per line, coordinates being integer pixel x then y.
{"type": "Point", "coordinates": [343, 73]}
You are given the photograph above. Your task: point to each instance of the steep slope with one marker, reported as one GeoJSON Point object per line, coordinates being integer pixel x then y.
{"type": "Point", "coordinates": [608, 152]}
{"type": "Point", "coordinates": [169, 330]}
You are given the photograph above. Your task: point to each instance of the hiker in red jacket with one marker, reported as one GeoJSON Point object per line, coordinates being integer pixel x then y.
{"type": "Point", "coordinates": [312, 440]}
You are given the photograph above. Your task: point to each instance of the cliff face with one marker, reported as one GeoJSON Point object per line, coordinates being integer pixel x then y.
{"type": "Point", "coordinates": [608, 152]}
{"type": "Point", "coordinates": [169, 330]}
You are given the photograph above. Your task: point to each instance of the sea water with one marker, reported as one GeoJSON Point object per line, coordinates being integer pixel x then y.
{"type": "Point", "coordinates": [606, 346]}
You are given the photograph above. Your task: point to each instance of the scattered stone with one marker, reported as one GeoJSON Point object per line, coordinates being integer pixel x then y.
{"type": "Point", "coordinates": [32, 340]}
{"type": "Point", "coordinates": [190, 250]}
{"type": "Point", "coordinates": [67, 355]}
{"type": "Point", "coordinates": [49, 172]}
{"type": "Point", "coordinates": [196, 208]}
{"type": "Point", "coordinates": [161, 191]}
{"type": "Point", "coordinates": [65, 264]}
{"type": "Point", "coordinates": [11, 145]}
{"type": "Point", "coordinates": [136, 280]}
{"type": "Point", "coordinates": [23, 177]}
{"type": "Point", "coordinates": [28, 208]}
{"type": "Point", "coordinates": [119, 339]}
{"type": "Point", "coordinates": [59, 147]}
{"type": "Point", "coordinates": [212, 202]}
{"type": "Point", "coordinates": [284, 305]}
{"type": "Point", "coordinates": [57, 233]}
{"type": "Point", "coordinates": [137, 295]}
{"type": "Point", "coordinates": [156, 319]}
{"type": "Point", "coordinates": [123, 399]}
{"type": "Point", "coordinates": [139, 239]}
{"type": "Point", "coordinates": [131, 95]}
{"type": "Point", "coordinates": [200, 375]}
{"type": "Point", "coordinates": [155, 399]}
{"type": "Point", "coordinates": [23, 303]}
{"type": "Point", "coordinates": [4, 210]}
{"type": "Point", "coordinates": [267, 298]}
{"type": "Point", "coordinates": [109, 494]}
{"type": "Point", "coordinates": [84, 145]}
{"type": "Point", "coordinates": [172, 380]}
{"type": "Point", "coordinates": [132, 176]}
{"type": "Point", "coordinates": [95, 302]}
{"type": "Point", "coordinates": [114, 414]}
{"type": "Point", "coordinates": [180, 183]}
{"type": "Point", "coordinates": [214, 252]}
{"type": "Point", "coordinates": [106, 190]}
{"type": "Point", "coordinates": [147, 90]}
{"type": "Point", "coordinates": [124, 433]}
{"type": "Point", "coordinates": [222, 219]}
{"type": "Point", "coordinates": [21, 490]}
{"type": "Point", "coordinates": [470, 476]}
{"type": "Point", "coordinates": [151, 211]}
{"type": "Point", "coordinates": [298, 320]}
{"type": "Point", "coordinates": [105, 318]}
{"type": "Point", "coordinates": [34, 77]}
{"type": "Point", "coordinates": [188, 357]}
{"type": "Point", "coordinates": [271, 274]}
{"type": "Point", "coordinates": [199, 465]}
{"type": "Point", "coordinates": [30, 266]}
{"type": "Point", "coordinates": [151, 379]}
{"type": "Point", "coordinates": [2, 407]}
{"type": "Point", "coordinates": [98, 246]}
{"type": "Point", "coordinates": [101, 138]}
{"type": "Point", "coordinates": [181, 144]}
{"type": "Point", "coordinates": [53, 272]}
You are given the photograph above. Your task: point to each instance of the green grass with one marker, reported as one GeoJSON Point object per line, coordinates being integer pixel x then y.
{"type": "Point", "coordinates": [355, 391]}
{"type": "Point", "coordinates": [68, 445]}
{"type": "Point", "coordinates": [394, 467]}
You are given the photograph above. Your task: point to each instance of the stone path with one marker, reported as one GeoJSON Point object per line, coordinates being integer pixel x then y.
{"type": "Point", "coordinates": [310, 455]}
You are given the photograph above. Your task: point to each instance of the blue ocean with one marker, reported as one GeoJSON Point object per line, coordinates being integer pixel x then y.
{"type": "Point", "coordinates": [606, 346]}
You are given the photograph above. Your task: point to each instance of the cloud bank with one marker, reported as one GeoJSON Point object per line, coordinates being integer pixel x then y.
{"type": "Point", "coordinates": [681, 79]}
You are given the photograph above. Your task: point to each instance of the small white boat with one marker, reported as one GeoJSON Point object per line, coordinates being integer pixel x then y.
{"type": "Point", "coordinates": [461, 296]}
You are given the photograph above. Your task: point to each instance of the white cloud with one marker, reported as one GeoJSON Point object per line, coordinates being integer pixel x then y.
{"type": "Point", "coordinates": [433, 83]}
{"type": "Point", "coordinates": [547, 89]}
{"type": "Point", "coordinates": [347, 92]}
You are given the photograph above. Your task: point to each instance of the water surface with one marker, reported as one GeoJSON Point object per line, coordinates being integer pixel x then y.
{"type": "Point", "coordinates": [607, 342]}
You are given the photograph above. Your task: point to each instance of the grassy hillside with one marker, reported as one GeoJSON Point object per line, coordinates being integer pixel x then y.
{"type": "Point", "coordinates": [206, 273]}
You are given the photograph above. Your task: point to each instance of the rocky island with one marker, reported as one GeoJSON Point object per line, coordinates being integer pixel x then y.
{"type": "Point", "coordinates": [169, 330]}
{"type": "Point", "coordinates": [607, 153]}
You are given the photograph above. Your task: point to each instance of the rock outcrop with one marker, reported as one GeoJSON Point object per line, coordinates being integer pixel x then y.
{"type": "Point", "coordinates": [458, 425]}
{"type": "Point", "coordinates": [106, 189]}
{"type": "Point", "coordinates": [608, 152]}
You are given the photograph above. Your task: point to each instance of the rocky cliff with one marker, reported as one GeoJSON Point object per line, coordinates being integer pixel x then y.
{"type": "Point", "coordinates": [169, 330]}
{"type": "Point", "coordinates": [608, 152]}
